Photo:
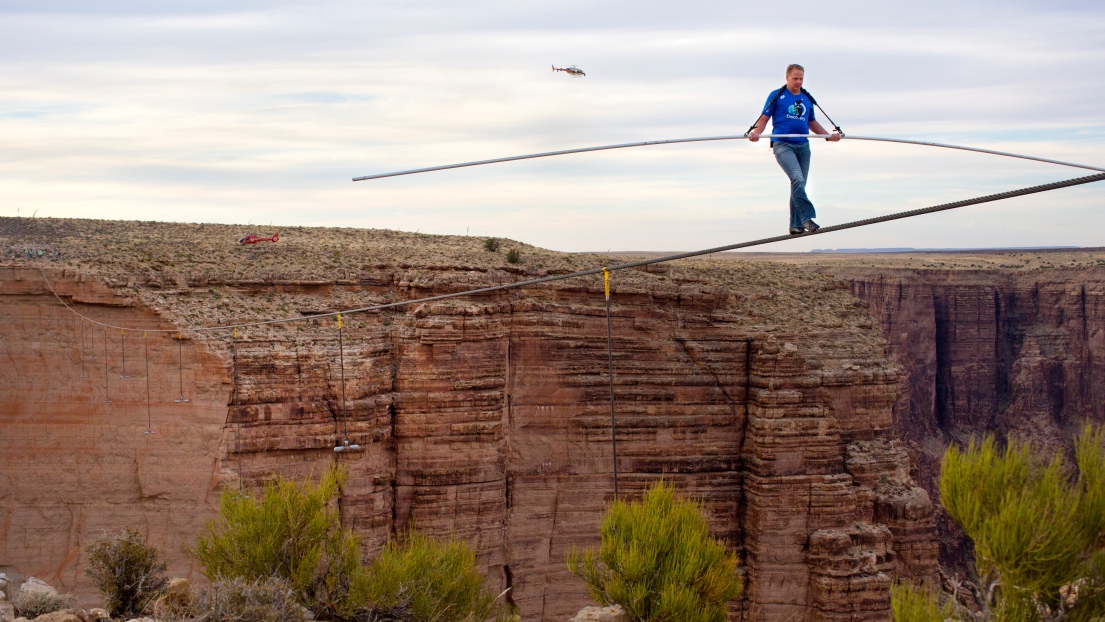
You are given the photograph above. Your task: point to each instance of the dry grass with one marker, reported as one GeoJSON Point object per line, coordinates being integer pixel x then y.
{"type": "Point", "coordinates": [31, 604]}
{"type": "Point", "coordinates": [242, 600]}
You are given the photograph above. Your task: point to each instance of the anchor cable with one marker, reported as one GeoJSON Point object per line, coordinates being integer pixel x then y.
{"type": "Point", "coordinates": [610, 361]}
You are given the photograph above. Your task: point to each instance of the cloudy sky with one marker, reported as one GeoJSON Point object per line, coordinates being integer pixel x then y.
{"type": "Point", "coordinates": [262, 112]}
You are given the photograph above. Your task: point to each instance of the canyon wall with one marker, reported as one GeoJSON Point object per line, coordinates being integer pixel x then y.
{"type": "Point", "coordinates": [1020, 354]}
{"type": "Point", "coordinates": [486, 418]}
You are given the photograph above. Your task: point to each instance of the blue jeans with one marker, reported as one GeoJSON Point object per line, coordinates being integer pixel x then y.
{"type": "Point", "coordinates": [795, 161]}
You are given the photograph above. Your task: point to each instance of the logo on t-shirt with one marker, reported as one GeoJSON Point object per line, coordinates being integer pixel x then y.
{"type": "Point", "coordinates": [797, 110]}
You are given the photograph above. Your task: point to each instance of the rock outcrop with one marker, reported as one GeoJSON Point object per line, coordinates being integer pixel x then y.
{"type": "Point", "coordinates": [1016, 353]}
{"type": "Point", "coordinates": [487, 417]}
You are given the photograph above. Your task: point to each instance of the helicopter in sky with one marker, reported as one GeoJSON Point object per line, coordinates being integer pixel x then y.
{"type": "Point", "coordinates": [571, 70]}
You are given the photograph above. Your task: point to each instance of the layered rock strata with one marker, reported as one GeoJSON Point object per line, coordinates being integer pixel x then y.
{"type": "Point", "coordinates": [487, 418]}
{"type": "Point", "coordinates": [1020, 354]}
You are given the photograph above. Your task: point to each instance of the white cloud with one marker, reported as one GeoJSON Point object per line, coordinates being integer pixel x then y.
{"type": "Point", "coordinates": [249, 111]}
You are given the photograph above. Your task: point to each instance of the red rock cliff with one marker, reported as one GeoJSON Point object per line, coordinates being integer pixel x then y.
{"type": "Point", "coordinates": [487, 418]}
{"type": "Point", "coordinates": [1013, 352]}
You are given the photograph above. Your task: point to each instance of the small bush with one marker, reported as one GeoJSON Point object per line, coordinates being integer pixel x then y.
{"type": "Point", "coordinates": [244, 600]}
{"type": "Point", "coordinates": [659, 562]}
{"type": "Point", "coordinates": [1036, 526]}
{"type": "Point", "coordinates": [291, 532]}
{"type": "Point", "coordinates": [513, 255]}
{"type": "Point", "coordinates": [430, 580]}
{"type": "Point", "coordinates": [491, 245]}
{"type": "Point", "coordinates": [126, 571]}
{"type": "Point", "coordinates": [33, 603]}
{"type": "Point", "coordinates": [913, 603]}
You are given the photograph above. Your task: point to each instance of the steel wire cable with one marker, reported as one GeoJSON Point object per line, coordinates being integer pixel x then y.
{"type": "Point", "coordinates": [649, 143]}
{"type": "Point", "coordinates": [1077, 181]}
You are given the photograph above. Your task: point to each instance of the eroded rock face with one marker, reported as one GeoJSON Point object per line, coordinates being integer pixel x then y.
{"type": "Point", "coordinates": [1018, 354]}
{"type": "Point", "coordinates": [485, 418]}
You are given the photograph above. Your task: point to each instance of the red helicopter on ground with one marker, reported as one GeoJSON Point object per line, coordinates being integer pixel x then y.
{"type": "Point", "coordinates": [572, 71]}
{"type": "Point", "coordinates": [253, 238]}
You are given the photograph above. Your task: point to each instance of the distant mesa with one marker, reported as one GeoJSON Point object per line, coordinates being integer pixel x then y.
{"type": "Point", "coordinates": [943, 250]}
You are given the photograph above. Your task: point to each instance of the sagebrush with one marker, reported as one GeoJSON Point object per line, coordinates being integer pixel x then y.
{"type": "Point", "coordinates": [246, 600]}
{"type": "Point", "coordinates": [292, 531]}
{"type": "Point", "coordinates": [430, 579]}
{"type": "Point", "coordinates": [658, 561]}
{"type": "Point", "coordinates": [918, 603]}
{"type": "Point", "coordinates": [126, 571]}
{"type": "Point", "coordinates": [1038, 528]}
{"type": "Point", "coordinates": [33, 603]}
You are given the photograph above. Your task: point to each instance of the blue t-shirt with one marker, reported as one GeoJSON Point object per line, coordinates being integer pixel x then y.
{"type": "Point", "coordinates": [792, 115]}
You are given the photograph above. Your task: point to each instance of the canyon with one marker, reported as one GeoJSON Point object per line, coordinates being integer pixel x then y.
{"type": "Point", "coordinates": [806, 411]}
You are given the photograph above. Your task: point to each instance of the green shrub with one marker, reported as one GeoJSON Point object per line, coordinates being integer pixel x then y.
{"type": "Point", "coordinates": [491, 245]}
{"type": "Point", "coordinates": [126, 571]}
{"type": "Point", "coordinates": [33, 603]}
{"type": "Point", "coordinates": [430, 580]}
{"type": "Point", "coordinates": [914, 603]}
{"type": "Point", "coordinates": [513, 255]}
{"type": "Point", "coordinates": [244, 600]}
{"type": "Point", "coordinates": [292, 532]}
{"type": "Point", "coordinates": [659, 562]}
{"type": "Point", "coordinates": [1037, 530]}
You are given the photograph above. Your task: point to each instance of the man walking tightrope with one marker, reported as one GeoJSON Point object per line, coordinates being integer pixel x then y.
{"type": "Point", "coordinates": [791, 112]}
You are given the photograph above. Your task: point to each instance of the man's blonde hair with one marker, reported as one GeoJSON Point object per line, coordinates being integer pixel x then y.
{"type": "Point", "coordinates": [794, 66]}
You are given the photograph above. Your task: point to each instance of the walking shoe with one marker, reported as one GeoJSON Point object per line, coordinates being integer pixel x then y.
{"type": "Point", "coordinates": [811, 226]}
{"type": "Point", "coordinates": [797, 230]}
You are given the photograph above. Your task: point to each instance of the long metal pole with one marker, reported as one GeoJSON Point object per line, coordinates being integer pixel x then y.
{"type": "Point", "coordinates": [649, 143]}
